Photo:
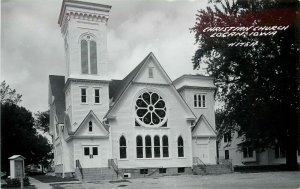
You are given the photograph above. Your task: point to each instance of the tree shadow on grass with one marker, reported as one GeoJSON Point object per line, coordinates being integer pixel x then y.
{"type": "Point", "coordinates": [50, 179]}
{"type": "Point", "coordinates": [25, 187]}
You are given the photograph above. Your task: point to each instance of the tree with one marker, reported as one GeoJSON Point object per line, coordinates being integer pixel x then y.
{"type": "Point", "coordinates": [18, 135]}
{"type": "Point", "coordinates": [8, 95]}
{"type": "Point", "coordinates": [258, 84]}
{"type": "Point", "coordinates": [42, 121]}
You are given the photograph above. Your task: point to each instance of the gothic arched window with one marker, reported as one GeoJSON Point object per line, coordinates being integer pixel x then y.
{"type": "Point", "coordinates": [180, 147]}
{"type": "Point", "coordinates": [90, 126]}
{"type": "Point", "coordinates": [150, 109]}
{"type": "Point", "coordinates": [156, 147]}
{"type": "Point", "coordinates": [165, 144]}
{"type": "Point", "coordinates": [139, 147]}
{"type": "Point", "coordinates": [148, 147]}
{"type": "Point", "coordinates": [88, 55]}
{"type": "Point", "coordinates": [123, 153]}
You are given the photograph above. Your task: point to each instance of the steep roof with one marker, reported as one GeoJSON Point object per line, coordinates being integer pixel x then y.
{"type": "Point", "coordinates": [57, 84]}
{"type": "Point", "coordinates": [202, 117]}
{"type": "Point", "coordinates": [117, 87]}
{"type": "Point", "coordinates": [91, 113]}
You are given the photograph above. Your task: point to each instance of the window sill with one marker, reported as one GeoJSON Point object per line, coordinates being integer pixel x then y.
{"type": "Point", "coordinates": [123, 159]}
{"type": "Point", "coordinates": [200, 107]}
{"type": "Point", "coordinates": [182, 157]}
{"type": "Point", "coordinates": [161, 158]}
{"type": "Point", "coordinates": [83, 103]}
{"type": "Point", "coordinates": [97, 103]}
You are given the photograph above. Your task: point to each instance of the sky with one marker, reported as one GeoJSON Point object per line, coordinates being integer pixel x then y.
{"type": "Point", "coordinates": [32, 44]}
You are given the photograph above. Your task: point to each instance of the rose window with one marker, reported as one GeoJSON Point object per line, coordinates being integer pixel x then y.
{"type": "Point", "coordinates": [150, 109]}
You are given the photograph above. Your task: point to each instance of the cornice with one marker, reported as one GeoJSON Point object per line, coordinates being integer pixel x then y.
{"type": "Point", "coordinates": [192, 77]}
{"type": "Point", "coordinates": [69, 80]}
{"type": "Point", "coordinates": [84, 16]}
{"type": "Point", "coordinates": [83, 5]}
{"type": "Point", "coordinates": [150, 84]}
{"type": "Point", "coordinates": [196, 87]}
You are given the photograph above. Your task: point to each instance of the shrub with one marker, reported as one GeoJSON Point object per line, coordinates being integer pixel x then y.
{"type": "Point", "coordinates": [15, 182]}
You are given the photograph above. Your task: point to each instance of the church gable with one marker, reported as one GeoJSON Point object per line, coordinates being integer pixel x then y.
{"type": "Point", "coordinates": [203, 128]}
{"type": "Point", "coordinates": [152, 72]}
{"type": "Point", "coordinates": [91, 126]}
{"type": "Point", "coordinates": [141, 75]}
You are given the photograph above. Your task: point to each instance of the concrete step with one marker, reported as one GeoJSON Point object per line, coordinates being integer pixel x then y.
{"type": "Point", "coordinates": [212, 169]}
{"type": "Point", "coordinates": [96, 174]}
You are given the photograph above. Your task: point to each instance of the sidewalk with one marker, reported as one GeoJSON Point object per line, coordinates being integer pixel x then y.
{"type": "Point", "coordinates": [39, 184]}
{"type": "Point", "coordinates": [42, 185]}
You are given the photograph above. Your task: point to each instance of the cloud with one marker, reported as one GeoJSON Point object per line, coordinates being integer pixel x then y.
{"type": "Point", "coordinates": [32, 46]}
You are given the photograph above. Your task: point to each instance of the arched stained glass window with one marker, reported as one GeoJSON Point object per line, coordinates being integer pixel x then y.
{"type": "Point", "coordinates": [151, 109]}
{"type": "Point", "coordinates": [165, 144]}
{"type": "Point", "coordinates": [148, 147]}
{"type": "Point", "coordinates": [180, 147]}
{"type": "Point", "coordinates": [156, 147]}
{"type": "Point", "coordinates": [123, 153]}
{"type": "Point", "coordinates": [139, 147]}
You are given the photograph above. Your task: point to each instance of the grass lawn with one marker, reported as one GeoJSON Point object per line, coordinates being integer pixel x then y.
{"type": "Point", "coordinates": [266, 180]}
{"type": "Point", "coordinates": [50, 179]}
{"type": "Point", "coordinates": [25, 187]}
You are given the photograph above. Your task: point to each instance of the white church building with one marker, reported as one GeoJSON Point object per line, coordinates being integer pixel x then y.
{"type": "Point", "coordinates": [141, 125]}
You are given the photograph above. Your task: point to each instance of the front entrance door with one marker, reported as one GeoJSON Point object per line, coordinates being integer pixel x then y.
{"type": "Point", "coordinates": [91, 157]}
{"type": "Point", "coordinates": [203, 152]}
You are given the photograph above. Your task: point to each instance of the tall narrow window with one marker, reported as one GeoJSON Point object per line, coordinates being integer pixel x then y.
{"type": "Point", "coordinates": [90, 126]}
{"type": "Point", "coordinates": [148, 147]}
{"type": "Point", "coordinates": [180, 147]}
{"type": "Point", "coordinates": [279, 152]}
{"type": "Point", "coordinates": [165, 143]}
{"type": "Point", "coordinates": [97, 96]}
{"type": "Point", "coordinates": [226, 154]}
{"type": "Point", "coordinates": [95, 151]}
{"type": "Point", "coordinates": [83, 95]}
{"type": "Point", "coordinates": [139, 147]}
{"type": "Point", "coordinates": [93, 57]}
{"type": "Point", "coordinates": [199, 101]}
{"type": "Point", "coordinates": [88, 56]}
{"type": "Point", "coordinates": [247, 152]}
{"type": "Point", "coordinates": [123, 154]}
{"type": "Point", "coordinates": [156, 147]}
{"type": "Point", "coordinates": [84, 57]}
{"type": "Point", "coordinates": [227, 137]}
{"type": "Point", "coordinates": [203, 100]}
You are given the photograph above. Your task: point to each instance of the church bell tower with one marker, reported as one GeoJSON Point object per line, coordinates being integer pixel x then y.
{"type": "Point", "coordinates": [84, 30]}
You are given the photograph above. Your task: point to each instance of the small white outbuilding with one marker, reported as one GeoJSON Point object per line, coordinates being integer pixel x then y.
{"type": "Point", "coordinates": [17, 166]}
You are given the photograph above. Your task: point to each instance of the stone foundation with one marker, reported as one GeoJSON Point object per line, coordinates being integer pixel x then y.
{"type": "Point", "coordinates": [154, 172]}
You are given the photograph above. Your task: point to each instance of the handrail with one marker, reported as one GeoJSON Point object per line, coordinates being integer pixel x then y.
{"type": "Point", "coordinates": [78, 165]}
{"type": "Point", "coordinates": [113, 164]}
{"type": "Point", "coordinates": [198, 161]}
{"type": "Point", "coordinates": [155, 170]}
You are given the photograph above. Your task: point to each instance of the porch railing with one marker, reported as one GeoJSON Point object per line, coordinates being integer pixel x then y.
{"type": "Point", "coordinates": [114, 164]}
{"type": "Point", "coordinates": [78, 165]}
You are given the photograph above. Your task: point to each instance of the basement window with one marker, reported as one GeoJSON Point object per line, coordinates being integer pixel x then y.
{"type": "Point", "coordinates": [162, 170]}
{"type": "Point", "coordinates": [143, 171]}
{"type": "Point", "coordinates": [181, 169]}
